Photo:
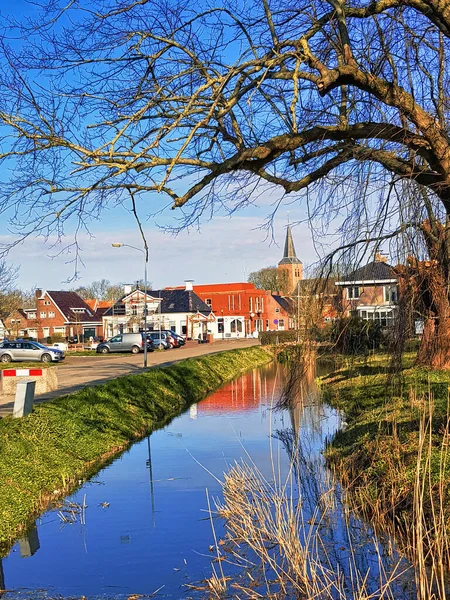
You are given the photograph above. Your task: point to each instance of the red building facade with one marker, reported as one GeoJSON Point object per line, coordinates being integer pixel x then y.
{"type": "Point", "coordinates": [257, 310]}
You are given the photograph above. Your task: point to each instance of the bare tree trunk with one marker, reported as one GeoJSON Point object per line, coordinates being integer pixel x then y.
{"type": "Point", "coordinates": [434, 348]}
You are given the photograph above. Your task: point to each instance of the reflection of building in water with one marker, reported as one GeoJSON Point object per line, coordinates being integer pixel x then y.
{"type": "Point", "coordinates": [246, 393]}
{"type": "Point", "coordinates": [193, 411]}
{"type": "Point", "coordinates": [239, 395]}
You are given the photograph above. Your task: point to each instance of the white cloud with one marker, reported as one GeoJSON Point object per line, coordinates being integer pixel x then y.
{"type": "Point", "coordinates": [225, 250]}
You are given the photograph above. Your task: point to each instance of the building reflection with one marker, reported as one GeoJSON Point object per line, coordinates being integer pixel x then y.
{"type": "Point", "coordinates": [246, 393]}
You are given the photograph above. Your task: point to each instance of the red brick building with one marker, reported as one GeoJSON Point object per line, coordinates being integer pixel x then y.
{"type": "Point", "coordinates": [55, 314]}
{"type": "Point", "coordinates": [241, 308]}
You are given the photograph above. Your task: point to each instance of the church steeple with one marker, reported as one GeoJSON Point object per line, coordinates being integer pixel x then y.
{"type": "Point", "coordinates": [290, 264]}
{"type": "Point", "coordinates": [289, 256]}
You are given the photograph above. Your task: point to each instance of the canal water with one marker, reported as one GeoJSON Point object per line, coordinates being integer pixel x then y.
{"type": "Point", "coordinates": [141, 526]}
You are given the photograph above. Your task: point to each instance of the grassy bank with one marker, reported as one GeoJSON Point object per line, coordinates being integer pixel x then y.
{"type": "Point", "coordinates": [393, 454]}
{"type": "Point", "coordinates": [45, 455]}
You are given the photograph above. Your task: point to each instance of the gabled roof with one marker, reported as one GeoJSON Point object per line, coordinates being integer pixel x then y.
{"type": "Point", "coordinates": [184, 301]}
{"type": "Point", "coordinates": [289, 256]}
{"type": "Point", "coordinates": [376, 271]}
{"type": "Point", "coordinates": [67, 301]}
{"type": "Point", "coordinates": [173, 301]}
{"type": "Point", "coordinates": [285, 303]}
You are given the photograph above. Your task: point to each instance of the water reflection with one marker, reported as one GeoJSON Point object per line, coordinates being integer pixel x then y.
{"type": "Point", "coordinates": [145, 521]}
{"type": "Point", "coordinates": [29, 543]}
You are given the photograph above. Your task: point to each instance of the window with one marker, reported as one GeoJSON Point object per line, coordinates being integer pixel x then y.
{"type": "Point", "coordinates": [281, 324]}
{"type": "Point", "coordinates": [117, 338]}
{"type": "Point", "coordinates": [134, 310]}
{"type": "Point", "coordinates": [43, 315]}
{"type": "Point", "coordinates": [277, 310]}
{"type": "Point", "coordinates": [31, 315]}
{"type": "Point", "coordinates": [59, 330]}
{"type": "Point", "coordinates": [208, 301]}
{"type": "Point", "coordinates": [236, 326]}
{"type": "Point", "coordinates": [267, 325]}
{"type": "Point", "coordinates": [51, 314]}
{"type": "Point", "coordinates": [250, 304]}
{"type": "Point", "coordinates": [390, 294]}
{"type": "Point", "coordinates": [220, 325]}
{"type": "Point", "coordinates": [353, 293]}
{"type": "Point", "coordinates": [47, 303]}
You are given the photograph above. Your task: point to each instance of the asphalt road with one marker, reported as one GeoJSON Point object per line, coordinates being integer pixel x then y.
{"type": "Point", "coordinates": [76, 372]}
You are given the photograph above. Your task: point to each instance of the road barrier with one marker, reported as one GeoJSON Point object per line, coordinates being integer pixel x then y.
{"type": "Point", "coordinates": [23, 402]}
{"type": "Point", "coordinates": [46, 379]}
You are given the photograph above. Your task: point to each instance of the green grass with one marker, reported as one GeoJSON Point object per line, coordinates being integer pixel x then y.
{"type": "Point", "coordinates": [376, 454]}
{"type": "Point", "coordinates": [26, 365]}
{"type": "Point", "coordinates": [45, 455]}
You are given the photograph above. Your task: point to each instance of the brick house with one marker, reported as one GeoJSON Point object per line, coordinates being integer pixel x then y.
{"type": "Point", "coordinates": [241, 309]}
{"type": "Point", "coordinates": [371, 292]}
{"type": "Point", "coordinates": [56, 313]}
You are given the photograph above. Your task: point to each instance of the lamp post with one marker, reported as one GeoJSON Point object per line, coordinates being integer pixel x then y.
{"type": "Point", "coordinates": [145, 253]}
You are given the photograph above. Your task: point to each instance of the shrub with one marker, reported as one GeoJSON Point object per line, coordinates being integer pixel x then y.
{"type": "Point", "coordinates": [277, 337]}
{"type": "Point", "coordinates": [353, 335]}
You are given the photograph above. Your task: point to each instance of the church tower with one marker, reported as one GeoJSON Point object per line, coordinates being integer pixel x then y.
{"type": "Point", "coordinates": [290, 264]}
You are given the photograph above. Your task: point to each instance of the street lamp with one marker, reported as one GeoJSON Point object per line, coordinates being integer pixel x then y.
{"type": "Point", "coordinates": [145, 253]}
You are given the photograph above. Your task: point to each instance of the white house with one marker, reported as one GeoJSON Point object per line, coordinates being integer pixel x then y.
{"type": "Point", "coordinates": [180, 310]}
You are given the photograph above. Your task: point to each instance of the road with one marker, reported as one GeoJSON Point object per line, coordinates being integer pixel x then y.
{"type": "Point", "coordinates": [79, 371]}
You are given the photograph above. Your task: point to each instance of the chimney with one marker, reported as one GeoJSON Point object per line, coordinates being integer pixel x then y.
{"type": "Point", "coordinates": [381, 257]}
{"type": "Point", "coordinates": [127, 288]}
{"type": "Point", "coordinates": [37, 294]}
{"type": "Point", "coordinates": [189, 285]}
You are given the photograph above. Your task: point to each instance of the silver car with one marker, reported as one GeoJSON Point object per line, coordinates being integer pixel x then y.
{"type": "Point", "coordinates": [28, 351]}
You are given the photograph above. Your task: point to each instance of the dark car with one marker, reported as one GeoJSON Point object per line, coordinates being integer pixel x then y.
{"type": "Point", "coordinates": [178, 339]}
{"type": "Point", "coordinates": [161, 339]}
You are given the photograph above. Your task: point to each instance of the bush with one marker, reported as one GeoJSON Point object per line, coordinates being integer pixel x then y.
{"type": "Point", "coordinates": [356, 336]}
{"type": "Point", "coordinates": [277, 337]}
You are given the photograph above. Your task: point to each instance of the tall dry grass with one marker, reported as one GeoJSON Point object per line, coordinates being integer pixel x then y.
{"type": "Point", "coordinates": [280, 535]}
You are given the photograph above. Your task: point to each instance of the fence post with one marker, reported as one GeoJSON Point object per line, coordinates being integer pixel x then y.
{"type": "Point", "coordinates": [23, 402]}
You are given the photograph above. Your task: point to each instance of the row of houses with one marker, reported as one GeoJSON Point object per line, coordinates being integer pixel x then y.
{"type": "Point", "coordinates": [221, 310]}
{"type": "Point", "coordinates": [224, 310]}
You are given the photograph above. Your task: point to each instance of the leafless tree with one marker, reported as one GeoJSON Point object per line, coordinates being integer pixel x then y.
{"type": "Point", "coordinates": [270, 278]}
{"type": "Point", "coordinates": [100, 290]}
{"type": "Point", "coordinates": [10, 298]}
{"type": "Point", "coordinates": [342, 104]}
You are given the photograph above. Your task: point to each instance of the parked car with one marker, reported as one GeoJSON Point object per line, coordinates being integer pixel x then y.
{"type": "Point", "coordinates": [161, 340]}
{"type": "Point", "coordinates": [176, 339]}
{"type": "Point", "coordinates": [29, 351]}
{"type": "Point", "coordinates": [125, 342]}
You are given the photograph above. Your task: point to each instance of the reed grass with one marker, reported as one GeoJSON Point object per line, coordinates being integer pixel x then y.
{"type": "Point", "coordinates": [398, 480]}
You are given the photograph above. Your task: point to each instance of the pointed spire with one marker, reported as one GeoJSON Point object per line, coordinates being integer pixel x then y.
{"type": "Point", "coordinates": [289, 249]}
{"type": "Point", "coordinates": [289, 255]}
